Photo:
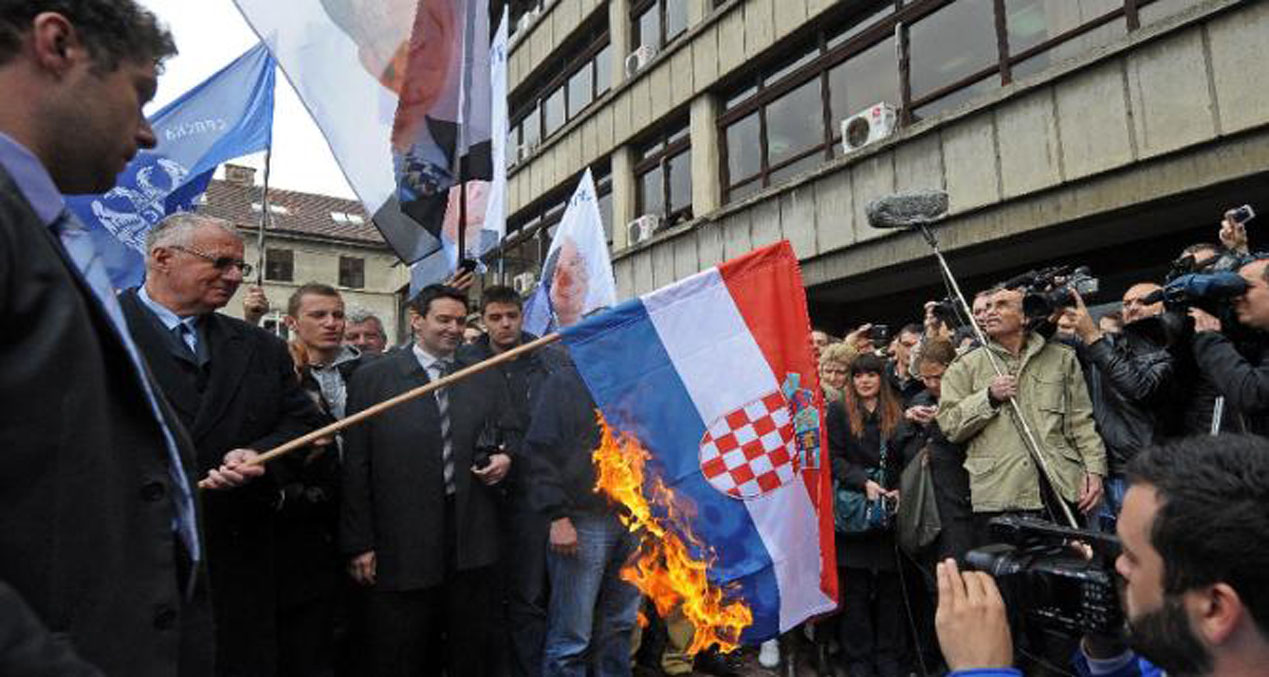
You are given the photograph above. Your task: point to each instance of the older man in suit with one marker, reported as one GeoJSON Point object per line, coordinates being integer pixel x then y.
{"type": "Point", "coordinates": [420, 500]}
{"type": "Point", "coordinates": [100, 558]}
{"type": "Point", "coordinates": [234, 387]}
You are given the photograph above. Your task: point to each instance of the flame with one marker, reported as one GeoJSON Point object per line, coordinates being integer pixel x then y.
{"type": "Point", "coordinates": [664, 569]}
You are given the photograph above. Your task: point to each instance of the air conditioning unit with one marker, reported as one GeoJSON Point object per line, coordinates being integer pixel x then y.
{"type": "Point", "coordinates": [642, 228]}
{"type": "Point", "coordinates": [523, 283]}
{"type": "Point", "coordinates": [523, 151]}
{"type": "Point", "coordinates": [639, 58]}
{"type": "Point", "coordinates": [868, 126]}
{"type": "Point", "coordinates": [526, 20]}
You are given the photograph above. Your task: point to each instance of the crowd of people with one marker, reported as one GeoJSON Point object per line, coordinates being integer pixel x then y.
{"type": "Point", "coordinates": [460, 533]}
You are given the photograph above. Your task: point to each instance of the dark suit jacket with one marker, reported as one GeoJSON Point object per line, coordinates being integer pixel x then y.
{"type": "Point", "coordinates": [85, 504]}
{"type": "Point", "coordinates": [252, 399]}
{"type": "Point", "coordinates": [393, 483]}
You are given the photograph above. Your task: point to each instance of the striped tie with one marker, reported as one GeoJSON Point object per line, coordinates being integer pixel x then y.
{"type": "Point", "coordinates": [443, 369]}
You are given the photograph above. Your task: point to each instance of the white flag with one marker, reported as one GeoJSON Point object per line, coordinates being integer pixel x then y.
{"type": "Point", "coordinates": [577, 277]}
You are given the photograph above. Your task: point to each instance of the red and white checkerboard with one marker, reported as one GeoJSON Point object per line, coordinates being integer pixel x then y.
{"type": "Point", "coordinates": [751, 450]}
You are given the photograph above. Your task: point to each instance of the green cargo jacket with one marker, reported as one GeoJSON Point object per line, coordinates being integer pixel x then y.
{"type": "Point", "coordinates": [1055, 401]}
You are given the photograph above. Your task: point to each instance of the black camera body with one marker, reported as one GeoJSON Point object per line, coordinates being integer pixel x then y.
{"type": "Point", "coordinates": [1051, 289]}
{"type": "Point", "coordinates": [1042, 574]}
{"type": "Point", "coordinates": [947, 311]}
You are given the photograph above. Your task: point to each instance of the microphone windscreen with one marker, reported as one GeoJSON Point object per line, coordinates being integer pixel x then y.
{"type": "Point", "coordinates": [907, 210]}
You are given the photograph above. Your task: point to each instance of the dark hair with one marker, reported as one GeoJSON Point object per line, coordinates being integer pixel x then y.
{"type": "Point", "coordinates": [911, 328]}
{"type": "Point", "coordinates": [112, 30]}
{"type": "Point", "coordinates": [314, 288]}
{"type": "Point", "coordinates": [1199, 247]}
{"type": "Point", "coordinates": [500, 294]}
{"type": "Point", "coordinates": [937, 351]}
{"type": "Point", "coordinates": [422, 302]}
{"type": "Point", "coordinates": [889, 407]}
{"type": "Point", "coordinates": [1213, 520]}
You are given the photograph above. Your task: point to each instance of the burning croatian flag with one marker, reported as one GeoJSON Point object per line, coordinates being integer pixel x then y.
{"type": "Point", "coordinates": [714, 377]}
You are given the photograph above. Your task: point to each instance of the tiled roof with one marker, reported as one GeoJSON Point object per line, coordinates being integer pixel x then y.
{"type": "Point", "coordinates": [291, 212]}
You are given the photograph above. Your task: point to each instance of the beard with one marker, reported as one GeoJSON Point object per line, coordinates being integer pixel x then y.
{"type": "Point", "coordinates": [1164, 637]}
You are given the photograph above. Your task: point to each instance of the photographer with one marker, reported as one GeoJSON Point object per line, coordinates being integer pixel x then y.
{"type": "Point", "coordinates": [1195, 563]}
{"type": "Point", "coordinates": [1241, 376]}
{"type": "Point", "coordinates": [1128, 376]}
{"type": "Point", "coordinates": [1045, 380]}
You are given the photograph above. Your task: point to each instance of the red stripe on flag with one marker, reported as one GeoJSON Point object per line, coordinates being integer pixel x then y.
{"type": "Point", "coordinates": [766, 285]}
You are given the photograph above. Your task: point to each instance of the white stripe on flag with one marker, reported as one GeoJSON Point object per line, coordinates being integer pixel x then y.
{"type": "Point", "coordinates": [723, 369]}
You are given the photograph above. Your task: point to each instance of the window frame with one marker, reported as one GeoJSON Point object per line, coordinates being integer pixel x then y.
{"type": "Point", "coordinates": [671, 149]}
{"type": "Point", "coordinates": [269, 254]}
{"type": "Point", "coordinates": [637, 10]}
{"type": "Point", "coordinates": [556, 77]}
{"type": "Point", "coordinates": [754, 91]}
{"type": "Point", "coordinates": [361, 273]}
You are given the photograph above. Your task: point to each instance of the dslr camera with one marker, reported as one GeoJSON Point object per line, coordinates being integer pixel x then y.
{"type": "Point", "coordinates": [1044, 577]}
{"type": "Point", "coordinates": [1050, 289]}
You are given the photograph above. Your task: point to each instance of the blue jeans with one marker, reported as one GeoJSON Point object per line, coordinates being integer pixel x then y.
{"type": "Point", "coordinates": [591, 615]}
{"type": "Point", "coordinates": [1112, 503]}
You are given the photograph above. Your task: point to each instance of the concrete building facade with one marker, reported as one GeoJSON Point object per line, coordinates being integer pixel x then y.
{"type": "Point", "coordinates": [1107, 132]}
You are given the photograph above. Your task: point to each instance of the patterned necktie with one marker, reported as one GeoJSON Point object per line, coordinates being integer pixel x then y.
{"type": "Point", "coordinates": [445, 368]}
{"type": "Point", "coordinates": [79, 247]}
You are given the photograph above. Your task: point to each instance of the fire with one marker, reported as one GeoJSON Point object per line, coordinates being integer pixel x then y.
{"type": "Point", "coordinates": [664, 568]}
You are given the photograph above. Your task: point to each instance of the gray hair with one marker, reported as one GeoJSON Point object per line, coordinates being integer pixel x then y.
{"type": "Point", "coordinates": [178, 230]}
{"type": "Point", "coordinates": [357, 315]}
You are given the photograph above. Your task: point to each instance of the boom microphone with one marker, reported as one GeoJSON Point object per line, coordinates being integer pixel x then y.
{"type": "Point", "coordinates": [907, 210]}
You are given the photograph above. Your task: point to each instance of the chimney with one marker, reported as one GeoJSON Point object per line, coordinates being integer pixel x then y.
{"type": "Point", "coordinates": [240, 175]}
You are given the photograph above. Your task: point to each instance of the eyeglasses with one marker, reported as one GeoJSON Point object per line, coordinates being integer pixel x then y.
{"type": "Point", "coordinates": [218, 262]}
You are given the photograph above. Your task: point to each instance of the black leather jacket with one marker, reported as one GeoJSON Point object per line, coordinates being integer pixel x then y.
{"type": "Point", "coordinates": [1129, 376]}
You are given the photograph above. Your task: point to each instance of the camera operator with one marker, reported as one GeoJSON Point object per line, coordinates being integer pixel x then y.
{"type": "Point", "coordinates": [1128, 376]}
{"type": "Point", "coordinates": [1046, 381]}
{"type": "Point", "coordinates": [1239, 373]}
{"type": "Point", "coordinates": [1195, 565]}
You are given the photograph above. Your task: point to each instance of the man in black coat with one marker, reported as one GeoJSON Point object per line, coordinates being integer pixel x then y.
{"type": "Point", "coordinates": [1240, 372]}
{"type": "Point", "coordinates": [420, 503]}
{"type": "Point", "coordinates": [524, 529]}
{"type": "Point", "coordinates": [100, 557]}
{"type": "Point", "coordinates": [234, 387]}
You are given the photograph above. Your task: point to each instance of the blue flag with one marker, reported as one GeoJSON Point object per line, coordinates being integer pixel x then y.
{"type": "Point", "coordinates": [227, 116]}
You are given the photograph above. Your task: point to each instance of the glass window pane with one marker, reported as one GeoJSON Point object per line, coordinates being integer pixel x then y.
{"type": "Point", "coordinates": [675, 18]}
{"type": "Point", "coordinates": [649, 27]}
{"type": "Point", "coordinates": [744, 152]}
{"type": "Point", "coordinates": [793, 65]}
{"type": "Point", "coordinates": [651, 198]}
{"type": "Point", "coordinates": [579, 89]}
{"type": "Point", "coordinates": [861, 25]}
{"type": "Point", "coordinates": [1031, 22]}
{"type": "Point", "coordinates": [1101, 35]}
{"type": "Point", "coordinates": [680, 168]}
{"type": "Point", "coordinates": [795, 122]}
{"type": "Point", "coordinates": [603, 70]}
{"type": "Point", "coordinates": [605, 213]}
{"type": "Point", "coordinates": [532, 128]}
{"type": "Point", "coordinates": [948, 45]}
{"type": "Point", "coordinates": [1161, 9]}
{"type": "Point", "coordinates": [740, 97]}
{"type": "Point", "coordinates": [862, 80]}
{"type": "Point", "coordinates": [802, 166]}
{"type": "Point", "coordinates": [554, 111]}
{"type": "Point", "coordinates": [956, 98]}
{"type": "Point", "coordinates": [738, 193]}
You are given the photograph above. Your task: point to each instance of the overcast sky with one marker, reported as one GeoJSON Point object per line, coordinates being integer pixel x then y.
{"type": "Point", "coordinates": [210, 34]}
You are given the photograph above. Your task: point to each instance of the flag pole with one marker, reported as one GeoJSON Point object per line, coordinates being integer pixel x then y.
{"type": "Point", "coordinates": [404, 397]}
{"type": "Point", "coordinates": [264, 217]}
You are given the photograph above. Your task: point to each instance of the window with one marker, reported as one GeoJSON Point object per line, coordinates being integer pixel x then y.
{"type": "Point", "coordinates": [783, 118]}
{"type": "Point", "coordinates": [352, 272]}
{"type": "Point", "coordinates": [280, 210]}
{"type": "Point", "coordinates": [348, 218]}
{"type": "Point", "coordinates": [663, 176]}
{"type": "Point", "coordinates": [274, 324]}
{"type": "Point", "coordinates": [656, 23]}
{"type": "Point", "coordinates": [531, 228]}
{"type": "Point", "coordinates": [567, 86]}
{"type": "Point", "coordinates": [279, 265]}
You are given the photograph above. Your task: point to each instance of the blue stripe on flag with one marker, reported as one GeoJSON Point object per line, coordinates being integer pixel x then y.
{"type": "Point", "coordinates": [629, 372]}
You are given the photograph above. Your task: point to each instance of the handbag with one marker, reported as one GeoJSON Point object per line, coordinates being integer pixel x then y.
{"type": "Point", "coordinates": [853, 513]}
{"type": "Point", "coordinates": [918, 521]}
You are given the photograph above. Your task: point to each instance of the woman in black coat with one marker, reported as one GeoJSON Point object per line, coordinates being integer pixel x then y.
{"type": "Point", "coordinates": [872, 623]}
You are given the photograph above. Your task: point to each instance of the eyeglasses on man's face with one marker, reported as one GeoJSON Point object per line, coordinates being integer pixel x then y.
{"type": "Point", "coordinates": [218, 262]}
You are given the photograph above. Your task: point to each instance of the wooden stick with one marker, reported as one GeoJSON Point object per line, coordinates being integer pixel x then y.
{"type": "Point", "coordinates": [416, 393]}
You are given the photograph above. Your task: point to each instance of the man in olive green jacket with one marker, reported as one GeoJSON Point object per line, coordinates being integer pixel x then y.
{"type": "Point", "coordinates": [1046, 381]}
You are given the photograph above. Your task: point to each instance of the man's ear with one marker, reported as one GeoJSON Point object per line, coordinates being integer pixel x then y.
{"type": "Point", "coordinates": [1216, 613]}
{"type": "Point", "coordinates": [290, 322]}
{"type": "Point", "coordinates": [55, 42]}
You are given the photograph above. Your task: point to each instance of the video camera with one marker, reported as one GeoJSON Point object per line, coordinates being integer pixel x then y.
{"type": "Point", "coordinates": [945, 311]}
{"type": "Point", "coordinates": [1043, 576]}
{"type": "Point", "coordinates": [1207, 291]}
{"type": "Point", "coordinates": [1050, 289]}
